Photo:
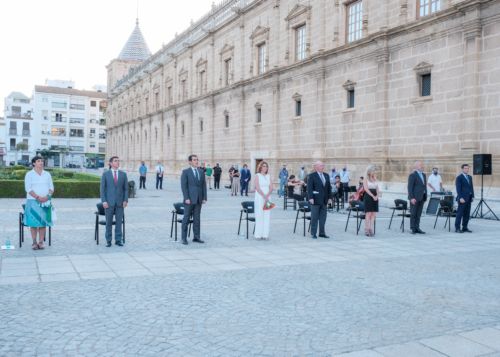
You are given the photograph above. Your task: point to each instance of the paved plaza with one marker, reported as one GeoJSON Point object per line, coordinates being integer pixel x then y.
{"type": "Point", "coordinates": [393, 295]}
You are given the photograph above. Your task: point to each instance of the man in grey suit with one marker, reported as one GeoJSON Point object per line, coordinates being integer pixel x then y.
{"type": "Point", "coordinates": [114, 198]}
{"type": "Point", "coordinates": [417, 194]}
{"type": "Point", "coordinates": [194, 192]}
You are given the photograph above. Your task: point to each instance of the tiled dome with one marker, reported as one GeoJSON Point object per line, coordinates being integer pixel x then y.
{"type": "Point", "coordinates": [136, 48]}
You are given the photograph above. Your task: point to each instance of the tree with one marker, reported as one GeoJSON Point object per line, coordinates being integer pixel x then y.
{"type": "Point", "coordinates": [22, 146]}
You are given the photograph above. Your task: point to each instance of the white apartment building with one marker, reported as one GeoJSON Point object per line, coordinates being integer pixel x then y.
{"type": "Point", "coordinates": [3, 147]}
{"type": "Point", "coordinates": [72, 123]}
{"type": "Point", "coordinates": [20, 127]}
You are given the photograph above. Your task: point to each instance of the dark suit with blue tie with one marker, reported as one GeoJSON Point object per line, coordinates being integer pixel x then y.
{"type": "Point", "coordinates": [417, 189]}
{"type": "Point", "coordinates": [194, 188]}
{"type": "Point", "coordinates": [320, 191]}
{"type": "Point", "coordinates": [465, 191]}
{"type": "Point", "coordinates": [114, 194]}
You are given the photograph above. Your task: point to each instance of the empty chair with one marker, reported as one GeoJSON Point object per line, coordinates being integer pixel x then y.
{"type": "Point", "coordinates": [177, 217]}
{"type": "Point", "coordinates": [247, 208]}
{"type": "Point", "coordinates": [101, 212]}
{"type": "Point", "coordinates": [288, 199]}
{"type": "Point", "coordinates": [445, 210]}
{"type": "Point", "coordinates": [402, 207]}
{"type": "Point", "coordinates": [21, 229]}
{"type": "Point", "coordinates": [305, 209]}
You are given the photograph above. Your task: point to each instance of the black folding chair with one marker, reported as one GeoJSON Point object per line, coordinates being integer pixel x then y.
{"type": "Point", "coordinates": [400, 206]}
{"type": "Point", "coordinates": [177, 217]}
{"type": "Point", "coordinates": [101, 212]}
{"type": "Point", "coordinates": [304, 208]}
{"type": "Point", "coordinates": [357, 210]}
{"type": "Point", "coordinates": [248, 210]}
{"type": "Point", "coordinates": [288, 199]}
{"type": "Point", "coordinates": [446, 210]}
{"type": "Point", "coordinates": [21, 229]}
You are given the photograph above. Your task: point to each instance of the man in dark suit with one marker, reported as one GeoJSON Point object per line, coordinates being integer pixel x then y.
{"type": "Point", "coordinates": [319, 195]}
{"type": "Point", "coordinates": [417, 194]}
{"type": "Point", "coordinates": [217, 175]}
{"type": "Point", "coordinates": [465, 196]}
{"type": "Point", "coordinates": [194, 191]}
{"type": "Point", "coordinates": [245, 177]}
{"type": "Point", "coordinates": [114, 198]}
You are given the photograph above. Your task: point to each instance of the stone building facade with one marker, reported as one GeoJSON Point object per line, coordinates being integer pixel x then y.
{"type": "Point", "coordinates": [356, 82]}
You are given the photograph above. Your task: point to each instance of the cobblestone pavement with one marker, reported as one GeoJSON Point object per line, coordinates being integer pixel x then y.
{"type": "Point", "coordinates": [394, 295]}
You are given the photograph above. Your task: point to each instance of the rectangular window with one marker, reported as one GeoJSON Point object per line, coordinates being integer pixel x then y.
{"type": "Point", "coordinates": [201, 126]}
{"type": "Point", "coordinates": [428, 7]}
{"type": "Point", "coordinates": [355, 21]}
{"type": "Point", "coordinates": [76, 133]}
{"type": "Point", "coordinates": [45, 142]}
{"type": "Point", "coordinates": [183, 90]}
{"type": "Point", "coordinates": [13, 144]}
{"type": "Point", "coordinates": [226, 120]}
{"type": "Point", "coordinates": [261, 58]}
{"type": "Point", "coordinates": [76, 148]}
{"type": "Point", "coordinates": [298, 108]}
{"type": "Point", "coordinates": [76, 120]}
{"type": "Point", "coordinates": [300, 43]}
{"type": "Point", "coordinates": [92, 133]}
{"type": "Point", "coordinates": [26, 129]}
{"type": "Point", "coordinates": [58, 131]}
{"type": "Point", "coordinates": [350, 98]}
{"type": "Point", "coordinates": [170, 96]}
{"type": "Point", "coordinates": [93, 103]}
{"type": "Point", "coordinates": [15, 111]}
{"type": "Point", "coordinates": [227, 71]}
{"type": "Point", "coordinates": [259, 115]}
{"type": "Point", "coordinates": [425, 85]}
{"type": "Point", "coordinates": [202, 82]}
{"type": "Point", "coordinates": [102, 147]}
{"type": "Point", "coordinates": [13, 128]}
{"type": "Point", "coordinates": [92, 145]}
{"type": "Point", "coordinates": [157, 101]}
{"type": "Point", "coordinates": [58, 118]}
{"type": "Point", "coordinates": [61, 105]}
{"type": "Point", "coordinates": [77, 106]}
{"type": "Point", "coordinates": [45, 114]}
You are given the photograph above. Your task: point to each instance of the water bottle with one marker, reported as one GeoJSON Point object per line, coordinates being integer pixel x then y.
{"type": "Point", "coordinates": [7, 243]}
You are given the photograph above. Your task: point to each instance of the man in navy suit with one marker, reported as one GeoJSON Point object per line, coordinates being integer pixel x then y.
{"type": "Point", "coordinates": [194, 192]}
{"type": "Point", "coordinates": [465, 196]}
{"type": "Point", "coordinates": [417, 194]}
{"type": "Point", "coordinates": [319, 195]}
{"type": "Point", "coordinates": [245, 179]}
{"type": "Point", "coordinates": [114, 198]}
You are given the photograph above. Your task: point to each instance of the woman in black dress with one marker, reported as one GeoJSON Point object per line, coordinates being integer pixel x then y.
{"type": "Point", "coordinates": [371, 198]}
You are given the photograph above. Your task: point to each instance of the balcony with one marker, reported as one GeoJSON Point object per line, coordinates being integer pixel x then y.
{"type": "Point", "coordinates": [102, 136]}
{"type": "Point", "coordinates": [12, 131]}
{"type": "Point", "coordinates": [26, 133]}
{"type": "Point", "coordinates": [18, 115]}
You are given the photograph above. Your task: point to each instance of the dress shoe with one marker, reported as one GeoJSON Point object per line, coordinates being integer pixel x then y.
{"type": "Point", "coordinates": [458, 231]}
{"type": "Point", "coordinates": [467, 230]}
{"type": "Point", "coordinates": [314, 236]}
{"type": "Point", "coordinates": [108, 244]}
{"type": "Point", "coordinates": [119, 244]}
{"type": "Point", "coordinates": [324, 236]}
{"type": "Point", "coordinates": [419, 231]}
{"type": "Point", "coordinates": [185, 242]}
{"type": "Point", "coordinates": [198, 240]}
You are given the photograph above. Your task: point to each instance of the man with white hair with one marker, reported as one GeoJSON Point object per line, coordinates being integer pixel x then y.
{"type": "Point", "coordinates": [319, 193]}
{"type": "Point", "coordinates": [417, 194]}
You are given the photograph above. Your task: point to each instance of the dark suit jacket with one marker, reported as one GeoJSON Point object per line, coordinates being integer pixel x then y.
{"type": "Point", "coordinates": [113, 194]}
{"type": "Point", "coordinates": [465, 189]}
{"type": "Point", "coordinates": [416, 188]}
{"type": "Point", "coordinates": [245, 175]}
{"type": "Point", "coordinates": [193, 189]}
{"type": "Point", "coordinates": [315, 189]}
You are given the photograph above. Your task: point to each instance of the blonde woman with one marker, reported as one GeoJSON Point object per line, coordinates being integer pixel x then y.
{"type": "Point", "coordinates": [371, 198]}
{"type": "Point", "coordinates": [263, 190]}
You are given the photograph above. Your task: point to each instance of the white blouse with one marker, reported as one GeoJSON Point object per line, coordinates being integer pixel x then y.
{"type": "Point", "coordinates": [39, 184]}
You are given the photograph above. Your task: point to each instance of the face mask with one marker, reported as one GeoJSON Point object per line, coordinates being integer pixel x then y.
{"type": "Point", "coordinates": [435, 172]}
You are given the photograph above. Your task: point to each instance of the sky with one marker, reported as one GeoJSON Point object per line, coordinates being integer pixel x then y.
{"type": "Point", "coordinates": [76, 39]}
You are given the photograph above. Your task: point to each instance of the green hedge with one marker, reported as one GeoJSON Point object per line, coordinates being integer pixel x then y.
{"type": "Point", "coordinates": [63, 189]}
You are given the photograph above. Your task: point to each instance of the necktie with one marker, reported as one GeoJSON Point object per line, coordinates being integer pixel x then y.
{"type": "Point", "coordinates": [322, 178]}
{"type": "Point", "coordinates": [196, 174]}
{"type": "Point", "coordinates": [115, 178]}
{"type": "Point", "coordinates": [467, 179]}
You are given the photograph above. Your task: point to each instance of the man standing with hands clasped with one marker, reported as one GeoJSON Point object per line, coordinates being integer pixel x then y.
{"type": "Point", "coordinates": [465, 196]}
{"type": "Point", "coordinates": [194, 191]}
{"type": "Point", "coordinates": [114, 198]}
{"type": "Point", "coordinates": [417, 194]}
{"type": "Point", "coordinates": [319, 195]}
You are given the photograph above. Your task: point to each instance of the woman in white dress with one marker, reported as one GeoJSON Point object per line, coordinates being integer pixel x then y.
{"type": "Point", "coordinates": [263, 190]}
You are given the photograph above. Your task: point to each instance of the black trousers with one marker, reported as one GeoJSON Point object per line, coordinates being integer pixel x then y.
{"type": "Point", "coordinates": [415, 214]}
{"type": "Point", "coordinates": [463, 214]}
{"type": "Point", "coordinates": [345, 190]}
{"type": "Point", "coordinates": [159, 182]}
{"type": "Point", "coordinates": [318, 214]}
{"type": "Point", "coordinates": [142, 181]}
{"type": "Point", "coordinates": [216, 182]}
{"type": "Point", "coordinates": [195, 211]}
{"type": "Point", "coordinates": [244, 187]}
